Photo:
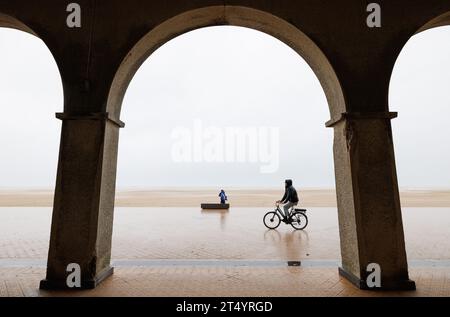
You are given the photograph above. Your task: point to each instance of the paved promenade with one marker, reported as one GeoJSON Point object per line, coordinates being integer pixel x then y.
{"type": "Point", "coordinates": [187, 252]}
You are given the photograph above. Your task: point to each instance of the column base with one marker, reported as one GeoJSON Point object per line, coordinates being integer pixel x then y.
{"type": "Point", "coordinates": [402, 285]}
{"type": "Point", "coordinates": [85, 284]}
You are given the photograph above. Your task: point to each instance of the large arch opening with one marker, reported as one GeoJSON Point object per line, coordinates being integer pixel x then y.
{"type": "Point", "coordinates": [30, 93]}
{"type": "Point", "coordinates": [234, 16]}
{"type": "Point", "coordinates": [319, 68]}
{"type": "Point", "coordinates": [419, 92]}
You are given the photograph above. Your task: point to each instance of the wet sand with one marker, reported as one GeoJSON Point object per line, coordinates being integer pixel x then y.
{"type": "Point", "coordinates": [238, 198]}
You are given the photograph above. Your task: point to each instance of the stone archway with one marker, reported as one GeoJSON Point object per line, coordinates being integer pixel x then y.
{"type": "Point", "coordinates": [417, 89]}
{"type": "Point", "coordinates": [235, 16]}
{"type": "Point", "coordinates": [32, 87]}
{"type": "Point", "coordinates": [12, 23]}
{"type": "Point", "coordinates": [441, 20]}
{"type": "Point", "coordinates": [258, 20]}
{"type": "Point", "coordinates": [366, 181]}
{"type": "Point", "coordinates": [20, 64]}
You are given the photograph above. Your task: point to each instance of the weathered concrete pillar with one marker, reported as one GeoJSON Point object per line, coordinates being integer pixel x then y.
{"type": "Point", "coordinates": [370, 220]}
{"type": "Point", "coordinates": [84, 200]}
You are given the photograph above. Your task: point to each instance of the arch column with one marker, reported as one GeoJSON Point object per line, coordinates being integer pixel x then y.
{"type": "Point", "coordinates": [370, 220]}
{"type": "Point", "coordinates": [83, 209]}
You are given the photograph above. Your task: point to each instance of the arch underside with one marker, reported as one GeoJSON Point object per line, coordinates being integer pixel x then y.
{"type": "Point", "coordinates": [10, 22]}
{"type": "Point", "coordinates": [441, 20]}
{"type": "Point", "coordinates": [227, 15]}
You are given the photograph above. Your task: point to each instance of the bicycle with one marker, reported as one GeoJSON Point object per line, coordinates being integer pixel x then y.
{"type": "Point", "coordinates": [297, 218]}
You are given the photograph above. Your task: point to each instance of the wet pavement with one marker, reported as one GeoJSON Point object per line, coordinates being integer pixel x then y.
{"type": "Point", "coordinates": [237, 234]}
{"type": "Point", "coordinates": [154, 246]}
{"type": "Point", "coordinates": [218, 281]}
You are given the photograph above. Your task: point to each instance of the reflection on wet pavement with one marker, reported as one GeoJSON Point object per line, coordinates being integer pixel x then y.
{"type": "Point", "coordinates": [237, 234]}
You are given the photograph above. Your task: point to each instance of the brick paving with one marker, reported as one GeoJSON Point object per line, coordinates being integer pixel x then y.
{"type": "Point", "coordinates": [187, 234]}
{"type": "Point", "coordinates": [221, 282]}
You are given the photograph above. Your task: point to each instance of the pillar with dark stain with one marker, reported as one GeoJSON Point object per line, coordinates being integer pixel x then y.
{"type": "Point", "coordinates": [84, 200]}
{"type": "Point", "coordinates": [370, 220]}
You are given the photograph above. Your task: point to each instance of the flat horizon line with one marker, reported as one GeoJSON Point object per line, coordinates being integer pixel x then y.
{"type": "Point", "coordinates": [190, 188]}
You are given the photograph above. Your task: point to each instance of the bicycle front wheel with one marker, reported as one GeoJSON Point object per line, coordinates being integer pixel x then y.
{"type": "Point", "coordinates": [272, 220]}
{"type": "Point", "coordinates": [299, 221]}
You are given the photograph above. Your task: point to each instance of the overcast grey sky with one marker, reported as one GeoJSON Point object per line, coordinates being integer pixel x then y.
{"type": "Point", "coordinates": [189, 95]}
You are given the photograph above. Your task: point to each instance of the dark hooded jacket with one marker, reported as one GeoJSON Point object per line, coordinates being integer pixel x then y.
{"type": "Point", "coordinates": [290, 195]}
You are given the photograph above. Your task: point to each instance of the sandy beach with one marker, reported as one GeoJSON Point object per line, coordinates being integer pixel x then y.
{"type": "Point", "coordinates": [238, 197]}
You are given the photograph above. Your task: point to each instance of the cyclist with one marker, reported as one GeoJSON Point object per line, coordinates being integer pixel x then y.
{"type": "Point", "coordinates": [290, 199]}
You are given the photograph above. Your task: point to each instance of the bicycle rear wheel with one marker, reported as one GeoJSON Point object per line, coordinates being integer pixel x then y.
{"type": "Point", "coordinates": [299, 221]}
{"type": "Point", "coordinates": [272, 220]}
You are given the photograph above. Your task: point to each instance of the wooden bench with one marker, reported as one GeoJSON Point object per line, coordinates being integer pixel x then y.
{"type": "Point", "coordinates": [215, 206]}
